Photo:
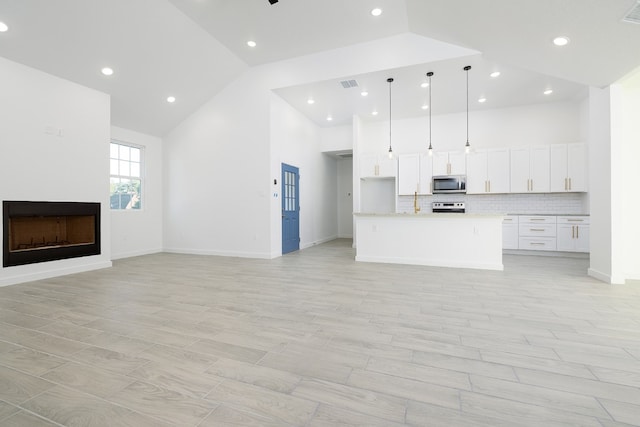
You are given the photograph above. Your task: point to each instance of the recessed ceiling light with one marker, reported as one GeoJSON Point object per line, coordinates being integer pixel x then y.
{"type": "Point", "coordinates": [107, 71]}
{"type": "Point", "coordinates": [425, 107]}
{"type": "Point", "coordinates": [561, 41]}
{"type": "Point", "coordinates": [3, 27]}
{"type": "Point", "coordinates": [171, 99]}
{"type": "Point", "coordinates": [376, 12]}
{"type": "Point", "coordinates": [548, 92]}
{"type": "Point", "coordinates": [329, 118]}
{"type": "Point", "coordinates": [495, 74]}
{"type": "Point", "coordinates": [251, 43]}
{"type": "Point", "coordinates": [374, 113]}
{"type": "Point", "coordinates": [424, 84]}
{"type": "Point", "coordinates": [483, 99]}
{"type": "Point", "coordinates": [310, 101]}
{"type": "Point", "coordinates": [364, 93]}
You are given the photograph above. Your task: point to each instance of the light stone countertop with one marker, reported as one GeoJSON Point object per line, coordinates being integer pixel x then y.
{"type": "Point", "coordinates": [431, 215]}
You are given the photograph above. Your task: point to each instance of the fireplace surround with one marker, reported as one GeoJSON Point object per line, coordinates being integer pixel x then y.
{"type": "Point", "coordinates": [47, 231]}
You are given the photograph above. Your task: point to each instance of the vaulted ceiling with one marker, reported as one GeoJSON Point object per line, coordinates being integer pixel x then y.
{"type": "Point", "coordinates": [191, 49]}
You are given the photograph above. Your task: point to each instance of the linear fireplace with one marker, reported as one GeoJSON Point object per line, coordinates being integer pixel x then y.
{"type": "Point", "coordinates": [47, 231]}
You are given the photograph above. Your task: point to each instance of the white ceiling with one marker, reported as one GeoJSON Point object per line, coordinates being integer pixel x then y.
{"type": "Point", "coordinates": [193, 48]}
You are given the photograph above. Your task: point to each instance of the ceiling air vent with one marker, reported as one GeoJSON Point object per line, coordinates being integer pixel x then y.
{"type": "Point", "coordinates": [633, 16]}
{"type": "Point", "coordinates": [349, 83]}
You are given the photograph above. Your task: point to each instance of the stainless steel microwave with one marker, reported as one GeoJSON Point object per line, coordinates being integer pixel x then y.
{"type": "Point", "coordinates": [449, 184]}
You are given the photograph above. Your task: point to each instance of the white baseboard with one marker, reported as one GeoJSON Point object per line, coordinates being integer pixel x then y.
{"type": "Point", "coordinates": [235, 254]}
{"type": "Point", "coordinates": [433, 263]}
{"type": "Point", "coordinates": [604, 277]}
{"type": "Point", "coordinates": [30, 277]}
{"type": "Point", "coordinates": [136, 253]}
{"type": "Point", "coordinates": [318, 242]}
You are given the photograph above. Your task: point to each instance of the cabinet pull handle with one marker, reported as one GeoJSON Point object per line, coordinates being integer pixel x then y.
{"type": "Point", "coordinates": [573, 230]}
{"type": "Point", "coordinates": [575, 220]}
{"type": "Point", "coordinates": [577, 232]}
{"type": "Point", "coordinates": [536, 229]}
{"type": "Point", "coordinates": [536, 243]}
{"type": "Point", "coordinates": [489, 186]}
{"type": "Point", "coordinates": [531, 184]}
{"type": "Point", "coordinates": [569, 183]}
{"type": "Point", "coordinates": [537, 219]}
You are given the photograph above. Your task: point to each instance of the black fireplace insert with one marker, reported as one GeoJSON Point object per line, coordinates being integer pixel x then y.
{"type": "Point", "coordinates": [48, 231]}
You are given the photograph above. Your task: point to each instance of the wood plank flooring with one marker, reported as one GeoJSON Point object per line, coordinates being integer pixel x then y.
{"type": "Point", "coordinates": [316, 339]}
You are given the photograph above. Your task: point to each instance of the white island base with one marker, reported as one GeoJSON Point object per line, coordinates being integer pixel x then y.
{"type": "Point", "coordinates": [440, 239]}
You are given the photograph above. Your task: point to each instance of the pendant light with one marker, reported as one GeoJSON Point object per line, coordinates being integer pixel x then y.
{"type": "Point", "coordinates": [390, 80]}
{"type": "Point", "coordinates": [429, 74]}
{"type": "Point", "coordinates": [467, 146]}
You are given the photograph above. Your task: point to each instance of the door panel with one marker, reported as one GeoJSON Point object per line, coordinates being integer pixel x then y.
{"type": "Point", "coordinates": [290, 209]}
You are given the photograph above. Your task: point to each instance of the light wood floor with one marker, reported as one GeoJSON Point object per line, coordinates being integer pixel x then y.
{"type": "Point", "coordinates": [316, 339]}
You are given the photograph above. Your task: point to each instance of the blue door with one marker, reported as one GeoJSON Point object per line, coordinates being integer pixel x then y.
{"type": "Point", "coordinates": [290, 209]}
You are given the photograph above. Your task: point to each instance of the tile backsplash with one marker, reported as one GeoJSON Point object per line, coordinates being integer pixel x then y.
{"type": "Point", "coordinates": [548, 203]}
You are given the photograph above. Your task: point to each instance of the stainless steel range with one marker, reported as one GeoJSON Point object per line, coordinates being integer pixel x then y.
{"type": "Point", "coordinates": [444, 207]}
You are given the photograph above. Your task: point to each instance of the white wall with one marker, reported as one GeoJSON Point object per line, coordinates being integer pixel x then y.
{"type": "Point", "coordinates": [297, 142]}
{"type": "Point", "coordinates": [139, 231]}
{"type": "Point", "coordinates": [220, 163]}
{"type": "Point", "coordinates": [600, 181]}
{"type": "Point", "coordinates": [549, 123]}
{"type": "Point", "coordinates": [345, 198]}
{"type": "Point", "coordinates": [339, 138]}
{"type": "Point", "coordinates": [625, 152]}
{"type": "Point", "coordinates": [54, 146]}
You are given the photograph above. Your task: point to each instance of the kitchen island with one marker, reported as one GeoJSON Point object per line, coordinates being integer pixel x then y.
{"type": "Point", "coordinates": [437, 239]}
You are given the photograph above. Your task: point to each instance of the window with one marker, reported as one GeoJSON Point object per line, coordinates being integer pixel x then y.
{"type": "Point", "coordinates": [126, 176]}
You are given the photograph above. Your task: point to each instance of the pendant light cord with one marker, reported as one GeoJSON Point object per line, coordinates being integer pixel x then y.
{"type": "Point", "coordinates": [430, 74]}
{"type": "Point", "coordinates": [390, 80]}
{"type": "Point", "coordinates": [467, 69]}
{"type": "Point", "coordinates": [467, 145]}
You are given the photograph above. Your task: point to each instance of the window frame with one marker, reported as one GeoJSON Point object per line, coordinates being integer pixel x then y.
{"type": "Point", "coordinates": [142, 176]}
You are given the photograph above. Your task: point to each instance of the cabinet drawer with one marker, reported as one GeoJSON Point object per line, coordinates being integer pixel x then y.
{"type": "Point", "coordinates": [510, 219]}
{"type": "Point", "coordinates": [545, 230]}
{"type": "Point", "coordinates": [537, 243]}
{"type": "Point", "coordinates": [573, 220]}
{"type": "Point", "coordinates": [537, 219]}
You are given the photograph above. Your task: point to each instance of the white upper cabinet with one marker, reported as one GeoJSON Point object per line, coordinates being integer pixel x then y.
{"type": "Point", "coordinates": [568, 167]}
{"type": "Point", "coordinates": [530, 169]}
{"type": "Point", "coordinates": [414, 174]}
{"type": "Point", "coordinates": [375, 166]}
{"type": "Point", "coordinates": [488, 171]}
{"type": "Point", "coordinates": [449, 163]}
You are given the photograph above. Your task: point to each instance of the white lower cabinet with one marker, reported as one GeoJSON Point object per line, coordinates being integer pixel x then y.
{"type": "Point", "coordinates": [537, 232]}
{"type": "Point", "coordinates": [569, 233]}
{"type": "Point", "coordinates": [510, 232]}
{"type": "Point", "coordinates": [573, 233]}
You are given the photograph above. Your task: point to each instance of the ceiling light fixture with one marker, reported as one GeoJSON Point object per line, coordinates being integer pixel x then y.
{"type": "Point", "coordinates": [329, 118]}
{"type": "Point", "coordinates": [390, 80]}
{"type": "Point", "coordinates": [3, 27]}
{"type": "Point", "coordinates": [467, 146]}
{"type": "Point", "coordinates": [376, 12]}
{"type": "Point", "coordinates": [481, 100]}
{"type": "Point", "coordinates": [251, 43]}
{"type": "Point", "coordinates": [424, 85]}
{"type": "Point", "coordinates": [548, 92]}
{"type": "Point", "coordinates": [561, 41]}
{"type": "Point", "coordinates": [364, 93]}
{"type": "Point", "coordinates": [171, 99]}
{"type": "Point", "coordinates": [429, 74]}
{"type": "Point", "coordinates": [310, 101]}
{"type": "Point", "coordinates": [107, 71]}
{"type": "Point", "coordinates": [495, 74]}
